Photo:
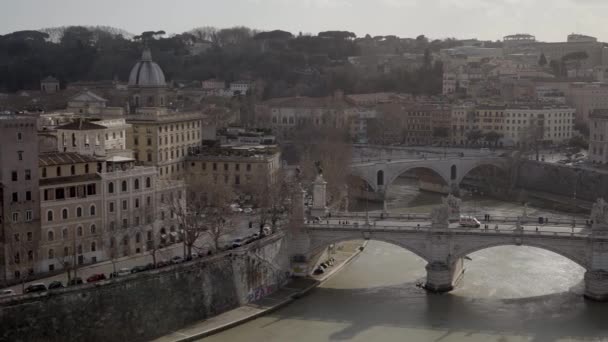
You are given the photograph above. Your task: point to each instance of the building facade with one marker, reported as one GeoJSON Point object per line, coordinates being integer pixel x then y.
{"type": "Point", "coordinates": [598, 136]}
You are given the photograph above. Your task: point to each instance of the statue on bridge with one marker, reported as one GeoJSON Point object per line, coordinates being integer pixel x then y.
{"type": "Point", "coordinates": [319, 168]}
{"type": "Point", "coordinates": [599, 214]}
{"type": "Point", "coordinates": [453, 204]}
{"type": "Point", "coordinates": [440, 216]}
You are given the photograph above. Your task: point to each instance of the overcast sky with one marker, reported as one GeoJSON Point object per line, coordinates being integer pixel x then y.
{"type": "Point", "coordinates": [548, 20]}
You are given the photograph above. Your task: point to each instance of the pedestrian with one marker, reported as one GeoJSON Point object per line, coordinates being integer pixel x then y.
{"type": "Point", "coordinates": [537, 229]}
{"type": "Point", "coordinates": [418, 226]}
{"type": "Point", "coordinates": [329, 214]}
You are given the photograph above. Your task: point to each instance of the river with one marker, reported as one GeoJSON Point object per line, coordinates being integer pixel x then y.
{"type": "Point", "coordinates": [508, 294]}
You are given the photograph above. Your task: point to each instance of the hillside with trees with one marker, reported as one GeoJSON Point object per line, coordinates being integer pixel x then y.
{"type": "Point", "coordinates": [287, 64]}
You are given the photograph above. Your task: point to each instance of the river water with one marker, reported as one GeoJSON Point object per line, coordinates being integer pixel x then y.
{"type": "Point", "coordinates": [508, 294]}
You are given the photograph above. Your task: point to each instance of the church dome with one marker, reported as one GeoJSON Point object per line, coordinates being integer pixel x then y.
{"type": "Point", "coordinates": [146, 73]}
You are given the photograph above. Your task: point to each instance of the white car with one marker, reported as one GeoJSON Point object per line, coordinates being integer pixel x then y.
{"type": "Point", "coordinates": [248, 210]}
{"type": "Point", "coordinates": [123, 271]}
{"type": "Point", "coordinates": [469, 221]}
{"type": "Point", "coordinates": [6, 293]}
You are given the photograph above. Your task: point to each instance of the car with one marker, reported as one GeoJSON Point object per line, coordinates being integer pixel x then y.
{"type": "Point", "coordinates": [6, 293]}
{"type": "Point", "coordinates": [248, 211]}
{"type": "Point", "coordinates": [194, 255]}
{"type": "Point", "coordinates": [238, 243]}
{"type": "Point", "coordinates": [56, 285]}
{"type": "Point", "coordinates": [39, 287]}
{"type": "Point", "coordinates": [177, 260]}
{"type": "Point", "coordinates": [318, 271]}
{"type": "Point", "coordinates": [469, 221]}
{"type": "Point", "coordinates": [138, 269]}
{"type": "Point", "coordinates": [316, 219]}
{"type": "Point", "coordinates": [123, 272]}
{"type": "Point", "coordinates": [96, 277]}
{"type": "Point", "coordinates": [256, 236]}
{"type": "Point", "coordinates": [75, 281]}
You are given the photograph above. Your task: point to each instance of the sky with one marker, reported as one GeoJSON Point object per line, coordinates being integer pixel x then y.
{"type": "Point", "coordinates": [548, 20]}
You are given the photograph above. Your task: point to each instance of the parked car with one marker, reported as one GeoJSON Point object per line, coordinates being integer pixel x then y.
{"type": "Point", "coordinates": [248, 211]}
{"type": "Point", "coordinates": [56, 285]}
{"type": "Point", "coordinates": [6, 293]}
{"type": "Point", "coordinates": [138, 269]}
{"type": "Point", "coordinates": [177, 260]}
{"type": "Point", "coordinates": [39, 287]}
{"type": "Point", "coordinates": [75, 281]}
{"type": "Point", "coordinates": [238, 243]}
{"type": "Point", "coordinates": [162, 264]}
{"type": "Point", "coordinates": [96, 277]}
{"type": "Point", "coordinates": [123, 272]}
{"type": "Point", "coordinates": [318, 271]}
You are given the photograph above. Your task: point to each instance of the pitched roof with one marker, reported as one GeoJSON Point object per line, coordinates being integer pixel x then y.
{"type": "Point", "coordinates": [87, 95]}
{"type": "Point", "coordinates": [81, 125]}
{"type": "Point", "coordinates": [63, 158]}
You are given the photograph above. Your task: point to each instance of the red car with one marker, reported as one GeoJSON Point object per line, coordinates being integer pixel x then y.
{"type": "Point", "coordinates": [96, 277]}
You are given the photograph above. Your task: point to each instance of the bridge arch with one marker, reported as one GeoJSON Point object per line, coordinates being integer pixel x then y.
{"type": "Point", "coordinates": [574, 257]}
{"type": "Point", "coordinates": [465, 171]}
{"type": "Point", "coordinates": [437, 171]}
{"type": "Point", "coordinates": [318, 245]}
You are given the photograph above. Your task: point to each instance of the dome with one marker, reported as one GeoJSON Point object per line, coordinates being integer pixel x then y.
{"type": "Point", "coordinates": [146, 73]}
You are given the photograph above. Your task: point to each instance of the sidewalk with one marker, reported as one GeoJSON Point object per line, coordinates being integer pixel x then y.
{"type": "Point", "coordinates": [295, 289]}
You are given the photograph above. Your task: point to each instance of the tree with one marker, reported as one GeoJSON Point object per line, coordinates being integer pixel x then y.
{"type": "Point", "coordinates": [533, 137]}
{"type": "Point", "coordinates": [273, 197]}
{"type": "Point", "coordinates": [474, 136]}
{"type": "Point", "coordinates": [542, 61]}
{"type": "Point", "coordinates": [492, 137]}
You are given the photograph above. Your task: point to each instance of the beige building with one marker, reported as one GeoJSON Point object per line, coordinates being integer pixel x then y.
{"type": "Point", "coordinates": [549, 124]}
{"type": "Point", "coordinates": [587, 97]}
{"type": "Point", "coordinates": [163, 139]}
{"type": "Point", "coordinates": [71, 210]}
{"type": "Point", "coordinates": [239, 168]}
{"type": "Point", "coordinates": [598, 136]}
{"type": "Point", "coordinates": [19, 198]}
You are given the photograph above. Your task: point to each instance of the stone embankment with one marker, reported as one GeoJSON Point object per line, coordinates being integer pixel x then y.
{"type": "Point", "coordinates": [149, 304]}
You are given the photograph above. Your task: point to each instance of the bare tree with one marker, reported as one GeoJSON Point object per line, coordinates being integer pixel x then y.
{"type": "Point", "coordinates": [273, 196]}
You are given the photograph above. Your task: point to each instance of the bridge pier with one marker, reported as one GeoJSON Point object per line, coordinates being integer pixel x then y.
{"type": "Point", "coordinates": [596, 285]}
{"type": "Point", "coordinates": [442, 277]}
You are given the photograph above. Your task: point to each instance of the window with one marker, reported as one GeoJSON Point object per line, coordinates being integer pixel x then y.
{"type": "Point", "coordinates": [79, 231]}
{"type": "Point", "coordinates": [17, 258]}
{"type": "Point", "coordinates": [125, 223]}
{"type": "Point", "coordinates": [43, 172]}
{"type": "Point", "coordinates": [137, 203]}
{"type": "Point", "coordinates": [149, 141]}
{"type": "Point", "coordinates": [28, 215]}
{"type": "Point", "coordinates": [14, 176]}
{"type": "Point", "coordinates": [149, 236]}
{"type": "Point", "coordinates": [58, 171]}
{"type": "Point", "coordinates": [214, 166]}
{"type": "Point", "coordinates": [20, 155]}
{"type": "Point", "coordinates": [16, 237]}
{"type": "Point", "coordinates": [72, 170]}
{"type": "Point", "coordinates": [92, 210]}
{"type": "Point", "coordinates": [136, 184]}
{"type": "Point", "coordinates": [93, 229]}
{"type": "Point", "coordinates": [111, 187]}
{"type": "Point", "coordinates": [15, 197]}
{"type": "Point", "coordinates": [86, 168]}
{"type": "Point", "coordinates": [19, 136]}
{"type": "Point", "coordinates": [248, 167]}
{"type": "Point", "coordinates": [64, 233]}
{"type": "Point", "coordinates": [93, 246]}
{"type": "Point", "coordinates": [30, 236]}
{"type": "Point", "coordinates": [137, 237]}
{"type": "Point", "coordinates": [149, 157]}
{"type": "Point", "coordinates": [123, 186]}
{"type": "Point", "coordinates": [225, 167]}
{"type": "Point", "coordinates": [237, 167]}
{"type": "Point", "coordinates": [111, 207]}
{"type": "Point", "coordinates": [237, 180]}
{"type": "Point", "coordinates": [148, 182]}
{"type": "Point", "coordinates": [28, 174]}
{"type": "Point", "coordinates": [50, 235]}
{"type": "Point", "coordinates": [66, 251]}
{"type": "Point", "coordinates": [137, 221]}
{"type": "Point", "coordinates": [49, 216]}
{"type": "Point", "coordinates": [91, 189]}
{"type": "Point", "coordinates": [28, 195]}
{"type": "Point", "coordinates": [51, 253]}
{"type": "Point", "coordinates": [79, 212]}
{"type": "Point", "coordinates": [136, 141]}
{"type": "Point", "coordinates": [64, 214]}
{"type": "Point", "coordinates": [124, 205]}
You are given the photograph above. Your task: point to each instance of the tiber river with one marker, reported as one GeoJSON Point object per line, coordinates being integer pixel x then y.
{"type": "Point", "coordinates": [508, 294]}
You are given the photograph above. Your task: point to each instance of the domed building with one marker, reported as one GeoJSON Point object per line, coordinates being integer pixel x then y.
{"type": "Point", "coordinates": [147, 86]}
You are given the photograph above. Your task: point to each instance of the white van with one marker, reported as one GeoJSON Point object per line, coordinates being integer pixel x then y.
{"type": "Point", "coordinates": [469, 221]}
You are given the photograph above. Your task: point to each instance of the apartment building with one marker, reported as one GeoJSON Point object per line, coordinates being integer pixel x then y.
{"type": "Point", "coordinates": [550, 124]}
{"type": "Point", "coordinates": [598, 136]}
{"type": "Point", "coordinates": [19, 197]}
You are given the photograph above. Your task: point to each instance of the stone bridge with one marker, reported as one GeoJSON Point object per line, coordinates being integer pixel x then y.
{"type": "Point", "coordinates": [444, 247]}
{"type": "Point", "coordinates": [379, 175]}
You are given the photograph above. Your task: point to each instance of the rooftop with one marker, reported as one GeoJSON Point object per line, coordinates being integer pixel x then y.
{"type": "Point", "coordinates": [63, 158]}
{"type": "Point", "coordinates": [81, 125]}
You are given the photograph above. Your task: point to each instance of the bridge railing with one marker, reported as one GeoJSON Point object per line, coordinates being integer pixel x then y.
{"type": "Point", "coordinates": [527, 220]}
{"type": "Point", "coordinates": [428, 229]}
